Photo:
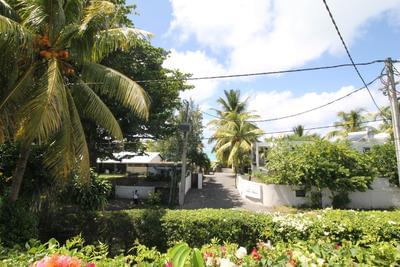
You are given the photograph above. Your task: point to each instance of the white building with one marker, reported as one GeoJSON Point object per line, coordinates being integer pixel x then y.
{"type": "Point", "coordinates": [130, 163]}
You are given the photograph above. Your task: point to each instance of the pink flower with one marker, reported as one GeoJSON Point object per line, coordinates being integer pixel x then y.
{"type": "Point", "coordinates": [91, 264]}
{"type": "Point", "coordinates": [255, 254]}
{"type": "Point", "coordinates": [168, 264]}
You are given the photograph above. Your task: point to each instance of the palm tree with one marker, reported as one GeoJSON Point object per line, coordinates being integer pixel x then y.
{"type": "Point", "coordinates": [386, 125]}
{"type": "Point", "coordinates": [298, 130]}
{"type": "Point", "coordinates": [230, 104]}
{"type": "Point", "coordinates": [349, 122]}
{"type": "Point", "coordinates": [234, 139]}
{"type": "Point", "coordinates": [54, 48]}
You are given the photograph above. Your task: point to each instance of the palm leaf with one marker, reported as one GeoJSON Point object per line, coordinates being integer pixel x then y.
{"type": "Point", "coordinates": [80, 145]}
{"type": "Point", "coordinates": [42, 113]}
{"type": "Point", "coordinates": [7, 11]}
{"type": "Point", "coordinates": [96, 9]}
{"type": "Point", "coordinates": [59, 158]}
{"type": "Point", "coordinates": [92, 107]}
{"type": "Point", "coordinates": [111, 83]}
{"type": "Point", "coordinates": [108, 41]}
{"type": "Point", "coordinates": [14, 35]}
{"type": "Point", "coordinates": [20, 88]}
{"type": "Point", "coordinates": [32, 14]}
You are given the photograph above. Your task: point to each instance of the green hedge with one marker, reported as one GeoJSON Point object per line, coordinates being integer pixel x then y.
{"type": "Point", "coordinates": [163, 228]}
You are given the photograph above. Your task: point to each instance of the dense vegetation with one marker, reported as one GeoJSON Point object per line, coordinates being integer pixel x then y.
{"type": "Point", "coordinates": [329, 236]}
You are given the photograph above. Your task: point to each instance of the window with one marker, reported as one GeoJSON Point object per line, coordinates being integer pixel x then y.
{"type": "Point", "coordinates": [301, 193]}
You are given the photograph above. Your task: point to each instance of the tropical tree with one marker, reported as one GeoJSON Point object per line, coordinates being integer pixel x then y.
{"type": "Point", "coordinates": [298, 130]}
{"type": "Point", "coordinates": [234, 138]}
{"type": "Point", "coordinates": [349, 122]}
{"type": "Point", "coordinates": [386, 117]}
{"type": "Point", "coordinates": [52, 50]}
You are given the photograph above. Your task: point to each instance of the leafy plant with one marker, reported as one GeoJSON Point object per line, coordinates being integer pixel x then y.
{"type": "Point", "coordinates": [383, 160]}
{"type": "Point", "coordinates": [91, 196]}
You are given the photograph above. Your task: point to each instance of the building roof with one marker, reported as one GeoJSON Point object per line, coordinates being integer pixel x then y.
{"type": "Point", "coordinates": [131, 157]}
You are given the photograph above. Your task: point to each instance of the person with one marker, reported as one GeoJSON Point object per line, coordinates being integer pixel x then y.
{"type": "Point", "coordinates": [136, 197]}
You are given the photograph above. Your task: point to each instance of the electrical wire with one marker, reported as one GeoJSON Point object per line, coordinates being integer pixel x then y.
{"type": "Point", "coordinates": [350, 57]}
{"type": "Point", "coordinates": [311, 128]}
{"type": "Point", "coordinates": [305, 111]}
{"type": "Point", "coordinates": [266, 73]}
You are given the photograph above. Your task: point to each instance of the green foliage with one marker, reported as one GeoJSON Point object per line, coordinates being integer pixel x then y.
{"type": "Point", "coordinates": [319, 164]}
{"type": "Point", "coordinates": [38, 183]}
{"type": "Point", "coordinates": [88, 196]}
{"type": "Point", "coordinates": [17, 223]}
{"type": "Point", "coordinates": [165, 228]}
{"type": "Point", "coordinates": [310, 239]}
{"type": "Point", "coordinates": [171, 148]}
{"type": "Point", "coordinates": [141, 62]}
{"type": "Point", "coordinates": [383, 160]}
{"type": "Point", "coordinates": [153, 199]}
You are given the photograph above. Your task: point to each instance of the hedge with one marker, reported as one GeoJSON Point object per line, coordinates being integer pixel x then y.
{"type": "Point", "coordinates": [162, 228]}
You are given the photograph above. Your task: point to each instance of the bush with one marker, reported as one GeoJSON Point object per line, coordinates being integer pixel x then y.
{"type": "Point", "coordinates": [319, 164]}
{"type": "Point", "coordinates": [17, 223]}
{"type": "Point", "coordinates": [300, 253]}
{"type": "Point", "coordinates": [383, 160]}
{"type": "Point", "coordinates": [163, 228]}
{"type": "Point", "coordinates": [90, 196]}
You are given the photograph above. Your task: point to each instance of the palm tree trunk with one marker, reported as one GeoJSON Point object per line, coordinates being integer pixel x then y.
{"type": "Point", "coordinates": [19, 171]}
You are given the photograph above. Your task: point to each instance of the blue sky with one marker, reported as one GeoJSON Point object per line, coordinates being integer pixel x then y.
{"type": "Point", "coordinates": [219, 37]}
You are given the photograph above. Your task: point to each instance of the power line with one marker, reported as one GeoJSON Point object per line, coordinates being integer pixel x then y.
{"type": "Point", "coordinates": [348, 54]}
{"type": "Point", "coordinates": [305, 111]}
{"type": "Point", "coordinates": [265, 73]}
{"type": "Point", "coordinates": [312, 128]}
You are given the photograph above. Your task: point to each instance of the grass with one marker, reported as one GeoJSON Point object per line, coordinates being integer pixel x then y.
{"type": "Point", "coordinates": [111, 176]}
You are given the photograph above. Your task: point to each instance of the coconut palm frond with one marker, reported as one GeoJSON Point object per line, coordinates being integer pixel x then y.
{"type": "Point", "coordinates": [43, 111]}
{"type": "Point", "coordinates": [96, 9]}
{"type": "Point", "coordinates": [73, 11]}
{"type": "Point", "coordinates": [92, 107]}
{"type": "Point", "coordinates": [32, 14]}
{"type": "Point", "coordinates": [15, 35]}
{"type": "Point", "coordinates": [108, 41]}
{"type": "Point", "coordinates": [7, 11]}
{"type": "Point", "coordinates": [111, 83]}
{"type": "Point", "coordinates": [80, 145]}
{"type": "Point", "coordinates": [19, 89]}
{"type": "Point", "coordinates": [59, 158]}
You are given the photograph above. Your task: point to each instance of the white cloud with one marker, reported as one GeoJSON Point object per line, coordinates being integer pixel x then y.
{"type": "Point", "coordinates": [198, 64]}
{"type": "Point", "coordinates": [277, 104]}
{"type": "Point", "coordinates": [258, 35]}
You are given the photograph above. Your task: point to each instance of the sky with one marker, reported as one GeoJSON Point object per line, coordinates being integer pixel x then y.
{"type": "Point", "coordinates": [222, 37]}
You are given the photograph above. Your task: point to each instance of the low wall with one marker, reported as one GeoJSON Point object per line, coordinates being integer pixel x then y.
{"type": "Point", "coordinates": [269, 195]}
{"type": "Point", "coordinates": [122, 191]}
{"type": "Point", "coordinates": [382, 196]}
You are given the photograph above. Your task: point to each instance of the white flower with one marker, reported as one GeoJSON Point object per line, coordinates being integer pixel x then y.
{"type": "Point", "coordinates": [241, 252]}
{"type": "Point", "coordinates": [226, 263]}
{"type": "Point", "coordinates": [320, 261]}
{"type": "Point", "coordinates": [209, 261]}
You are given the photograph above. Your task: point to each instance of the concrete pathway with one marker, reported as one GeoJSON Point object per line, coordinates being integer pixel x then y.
{"type": "Point", "coordinates": [219, 192]}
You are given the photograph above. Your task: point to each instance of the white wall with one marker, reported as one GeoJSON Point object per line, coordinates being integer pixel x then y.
{"type": "Point", "coordinates": [383, 195]}
{"type": "Point", "coordinates": [188, 183]}
{"type": "Point", "coordinates": [122, 191]}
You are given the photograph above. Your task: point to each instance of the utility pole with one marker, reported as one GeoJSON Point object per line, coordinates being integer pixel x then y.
{"type": "Point", "coordinates": [394, 107]}
{"type": "Point", "coordinates": [185, 127]}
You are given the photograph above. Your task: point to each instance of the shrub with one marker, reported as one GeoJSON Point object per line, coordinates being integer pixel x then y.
{"type": "Point", "coordinates": [319, 164]}
{"type": "Point", "coordinates": [88, 196]}
{"type": "Point", "coordinates": [17, 223]}
{"type": "Point", "coordinates": [300, 253]}
{"type": "Point", "coordinates": [383, 160]}
{"type": "Point", "coordinates": [163, 228]}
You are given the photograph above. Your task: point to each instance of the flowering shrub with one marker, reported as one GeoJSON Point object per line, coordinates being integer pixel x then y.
{"type": "Point", "coordinates": [164, 228]}
{"type": "Point", "coordinates": [216, 254]}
